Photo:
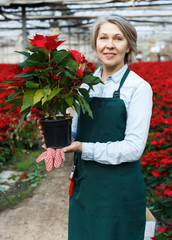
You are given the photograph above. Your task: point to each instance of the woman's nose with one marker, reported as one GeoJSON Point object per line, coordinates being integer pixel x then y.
{"type": "Point", "coordinates": [110, 44]}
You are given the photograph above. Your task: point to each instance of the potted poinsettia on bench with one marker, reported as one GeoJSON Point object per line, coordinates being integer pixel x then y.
{"type": "Point", "coordinates": [50, 80]}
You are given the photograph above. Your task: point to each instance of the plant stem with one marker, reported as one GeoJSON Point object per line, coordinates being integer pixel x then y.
{"type": "Point", "coordinates": [39, 82]}
{"type": "Point", "coordinates": [53, 115]}
{"type": "Point", "coordinates": [71, 91]}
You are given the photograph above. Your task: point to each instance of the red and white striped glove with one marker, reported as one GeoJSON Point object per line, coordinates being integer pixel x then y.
{"type": "Point", "coordinates": [52, 157]}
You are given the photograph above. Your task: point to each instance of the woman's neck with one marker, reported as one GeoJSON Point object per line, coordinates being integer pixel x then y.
{"type": "Point", "coordinates": [109, 71]}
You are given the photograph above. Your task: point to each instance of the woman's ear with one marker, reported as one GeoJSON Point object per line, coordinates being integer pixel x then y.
{"type": "Point", "coordinates": [128, 50]}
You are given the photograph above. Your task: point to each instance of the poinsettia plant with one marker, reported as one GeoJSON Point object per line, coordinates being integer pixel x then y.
{"type": "Point", "coordinates": [50, 79]}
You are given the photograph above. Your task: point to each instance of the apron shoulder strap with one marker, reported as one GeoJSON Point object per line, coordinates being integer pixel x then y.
{"type": "Point", "coordinates": [123, 78]}
{"type": "Point", "coordinates": [117, 93]}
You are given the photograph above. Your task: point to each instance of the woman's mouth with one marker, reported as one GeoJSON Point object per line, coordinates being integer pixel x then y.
{"type": "Point", "coordinates": [109, 55]}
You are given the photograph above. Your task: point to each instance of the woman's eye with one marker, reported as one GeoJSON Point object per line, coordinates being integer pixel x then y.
{"type": "Point", "coordinates": [119, 38]}
{"type": "Point", "coordinates": [102, 38]}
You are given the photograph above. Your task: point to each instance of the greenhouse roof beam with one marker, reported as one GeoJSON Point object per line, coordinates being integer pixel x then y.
{"type": "Point", "coordinates": [67, 17]}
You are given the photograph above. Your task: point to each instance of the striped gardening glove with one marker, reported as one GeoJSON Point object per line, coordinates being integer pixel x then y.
{"type": "Point", "coordinates": [52, 157]}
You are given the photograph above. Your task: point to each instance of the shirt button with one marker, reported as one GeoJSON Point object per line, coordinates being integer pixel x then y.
{"type": "Point", "coordinates": [109, 78]}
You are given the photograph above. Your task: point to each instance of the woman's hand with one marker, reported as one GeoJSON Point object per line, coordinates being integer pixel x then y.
{"type": "Point", "coordinates": [40, 127]}
{"type": "Point", "coordinates": [42, 133]}
{"type": "Point", "coordinates": [73, 147]}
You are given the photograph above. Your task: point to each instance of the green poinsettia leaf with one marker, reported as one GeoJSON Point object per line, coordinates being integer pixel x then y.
{"type": "Point", "coordinates": [44, 73]}
{"type": "Point", "coordinates": [9, 81]}
{"type": "Point", "coordinates": [24, 64]}
{"type": "Point", "coordinates": [36, 59]}
{"type": "Point", "coordinates": [16, 93]}
{"type": "Point", "coordinates": [56, 71]}
{"type": "Point", "coordinates": [63, 108]}
{"type": "Point", "coordinates": [161, 169]}
{"type": "Point", "coordinates": [91, 87]}
{"type": "Point", "coordinates": [69, 101]}
{"type": "Point", "coordinates": [46, 92]}
{"type": "Point", "coordinates": [24, 114]}
{"type": "Point", "coordinates": [47, 71]}
{"type": "Point", "coordinates": [37, 56]}
{"type": "Point", "coordinates": [12, 100]}
{"type": "Point", "coordinates": [77, 107]}
{"type": "Point", "coordinates": [32, 48]}
{"type": "Point", "coordinates": [84, 106]}
{"type": "Point", "coordinates": [87, 107]}
{"type": "Point", "coordinates": [162, 236]}
{"type": "Point", "coordinates": [54, 93]}
{"type": "Point", "coordinates": [60, 56]}
{"type": "Point", "coordinates": [44, 100]}
{"type": "Point", "coordinates": [31, 84]}
{"type": "Point", "coordinates": [28, 98]}
{"type": "Point", "coordinates": [71, 64]}
{"type": "Point", "coordinates": [28, 74]}
{"type": "Point", "coordinates": [80, 103]}
{"type": "Point", "coordinates": [27, 54]}
{"type": "Point", "coordinates": [38, 96]}
{"type": "Point", "coordinates": [43, 50]}
{"type": "Point", "coordinates": [90, 79]}
{"type": "Point", "coordinates": [68, 74]}
{"type": "Point", "coordinates": [170, 232]}
{"type": "Point", "coordinates": [84, 92]}
{"type": "Point", "coordinates": [32, 62]}
{"type": "Point", "coordinates": [17, 104]}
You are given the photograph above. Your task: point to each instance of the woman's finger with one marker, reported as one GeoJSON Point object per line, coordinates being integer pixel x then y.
{"type": "Point", "coordinates": [73, 147]}
{"type": "Point", "coordinates": [44, 146]}
{"type": "Point", "coordinates": [41, 132]}
{"type": "Point", "coordinates": [40, 127]}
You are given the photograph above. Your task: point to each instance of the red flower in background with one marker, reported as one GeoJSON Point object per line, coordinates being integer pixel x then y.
{"type": "Point", "coordinates": [16, 70]}
{"type": "Point", "coordinates": [162, 190]}
{"type": "Point", "coordinates": [155, 173]}
{"type": "Point", "coordinates": [19, 81]}
{"type": "Point", "coordinates": [156, 161]}
{"type": "Point", "coordinates": [23, 176]}
{"type": "Point", "coordinates": [32, 69]}
{"type": "Point", "coordinates": [162, 229]}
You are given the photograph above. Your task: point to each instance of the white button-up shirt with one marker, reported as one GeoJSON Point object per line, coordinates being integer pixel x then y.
{"type": "Point", "coordinates": [137, 96]}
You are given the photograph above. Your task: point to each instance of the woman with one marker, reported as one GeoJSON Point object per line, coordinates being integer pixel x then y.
{"type": "Point", "coordinates": [109, 200]}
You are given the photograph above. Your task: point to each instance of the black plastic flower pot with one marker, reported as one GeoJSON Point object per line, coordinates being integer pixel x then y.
{"type": "Point", "coordinates": [57, 133]}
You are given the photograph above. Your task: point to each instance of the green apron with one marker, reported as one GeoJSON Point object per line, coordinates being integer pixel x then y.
{"type": "Point", "coordinates": [108, 201]}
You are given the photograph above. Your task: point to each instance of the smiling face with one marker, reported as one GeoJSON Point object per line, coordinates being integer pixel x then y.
{"type": "Point", "coordinates": [111, 47]}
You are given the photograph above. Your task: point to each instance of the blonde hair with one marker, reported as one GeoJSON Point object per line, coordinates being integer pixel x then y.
{"type": "Point", "coordinates": [126, 28]}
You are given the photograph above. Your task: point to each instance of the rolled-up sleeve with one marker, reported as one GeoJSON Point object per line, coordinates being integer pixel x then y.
{"type": "Point", "coordinates": [137, 128]}
{"type": "Point", "coordinates": [74, 126]}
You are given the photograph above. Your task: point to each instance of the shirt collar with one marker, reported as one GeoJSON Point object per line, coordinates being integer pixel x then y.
{"type": "Point", "coordinates": [116, 77]}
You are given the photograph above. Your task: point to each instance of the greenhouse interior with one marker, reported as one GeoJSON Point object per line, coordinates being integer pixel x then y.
{"type": "Point", "coordinates": [34, 201]}
{"type": "Point", "coordinates": [20, 20]}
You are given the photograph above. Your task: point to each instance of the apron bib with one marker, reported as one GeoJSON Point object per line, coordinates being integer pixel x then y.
{"type": "Point", "coordinates": [108, 201]}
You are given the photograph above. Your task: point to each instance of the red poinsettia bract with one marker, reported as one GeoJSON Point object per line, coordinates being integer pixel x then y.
{"type": "Point", "coordinates": [47, 42]}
